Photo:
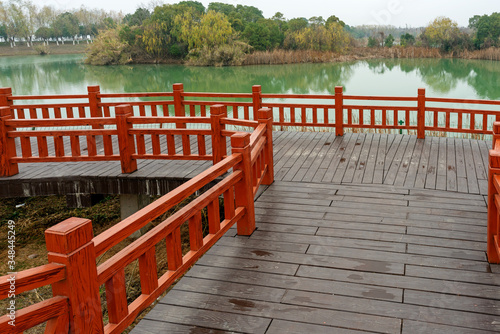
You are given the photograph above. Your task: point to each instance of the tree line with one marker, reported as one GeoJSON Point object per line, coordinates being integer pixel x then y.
{"type": "Point", "coordinates": [24, 20]}
{"type": "Point", "coordinates": [222, 34]}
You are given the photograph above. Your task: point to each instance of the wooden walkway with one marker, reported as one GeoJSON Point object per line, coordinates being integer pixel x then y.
{"type": "Point", "coordinates": [337, 258]}
{"type": "Point", "coordinates": [458, 165]}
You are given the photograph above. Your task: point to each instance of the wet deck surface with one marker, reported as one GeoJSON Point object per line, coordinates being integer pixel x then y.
{"type": "Point", "coordinates": [336, 258]}
{"type": "Point", "coordinates": [457, 165]}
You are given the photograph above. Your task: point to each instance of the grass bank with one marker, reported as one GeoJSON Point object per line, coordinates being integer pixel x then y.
{"type": "Point", "coordinates": [23, 50]}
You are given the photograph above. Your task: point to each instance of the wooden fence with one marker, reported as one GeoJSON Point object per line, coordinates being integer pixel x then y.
{"type": "Point", "coordinates": [493, 246]}
{"type": "Point", "coordinates": [72, 270]}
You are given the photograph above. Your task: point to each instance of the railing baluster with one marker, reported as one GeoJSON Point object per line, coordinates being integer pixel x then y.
{"type": "Point", "coordinates": [213, 216]}
{"type": "Point", "coordinates": [116, 297]}
{"type": "Point", "coordinates": [125, 139]}
{"type": "Point", "coordinates": [154, 111]}
{"type": "Point", "coordinates": [26, 147]}
{"type": "Point", "coordinates": [155, 143]}
{"type": "Point", "coordinates": [75, 146]}
{"type": "Point", "coordinates": [171, 144]}
{"type": "Point", "coordinates": [195, 232]}
{"type": "Point", "coordinates": [229, 203]}
{"type": "Point", "coordinates": [59, 146]}
{"type": "Point", "coordinates": [148, 271]}
{"type": "Point", "coordinates": [421, 113]}
{"type": "Point", "coordinates": [174, 249]}
{"type": "Point", "coordinates": [201, 145]}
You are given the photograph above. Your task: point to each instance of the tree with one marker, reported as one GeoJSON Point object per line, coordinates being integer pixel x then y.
{"type": "Point", "coordinates": [44, 33]}
{"type": "Point", "coordinates": [66, 25]}
{"type": "Point", "coordinates": [297, 24]}
{"type": "Point", "coordinates": [220, 7]}
{"type": "Point", "coordinates": [257, 35]}
{"type": "Point", "coordinates": [136, 19]}
{"type": "Point", "coordinates": [487, 30]}
{"type": "Point", "coordinates": [407, 40]}
{"type": "Point", "coordinates": [107, 49]}
{"type": "Point", "coordinates": [212, 30]}
{"type": "Point", "coordinates": [333, 19]}
{"type": "Point", "coordinates": [372, 42]}
{"type": "Point", "coordinates": [442, 33]}
{"type": "Point", "coordinates": [389, 41]}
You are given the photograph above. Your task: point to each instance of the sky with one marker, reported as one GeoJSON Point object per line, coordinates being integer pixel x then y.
{"type": "Point", "coordinates": [398, 13]}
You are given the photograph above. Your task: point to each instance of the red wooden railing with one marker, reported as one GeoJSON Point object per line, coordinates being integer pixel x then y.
{"type": "Point", "coordinates": [72, 270]}
{"type": "Point", "coordinates": [493, 241]}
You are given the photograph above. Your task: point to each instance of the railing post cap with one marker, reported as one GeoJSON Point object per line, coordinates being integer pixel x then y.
{"type": "Point", "coordinates": [123, 109]}
{"type": "Point", "coordinates": [217, 109]}
{"type": "Point", "coordinates": [240, 140]}
{"type": "Point", "coordinates": [6, 90]}
{"type": "Point", "coordinates": [421, 91]}
{"type": "Point", "coordinates": [256, 88]}
{"type": "Point", "coordinates": [339, 89]}
{"type": "Point", "coordinates": [178, 86]}
{"type": "Point", "coordinates": [93, 89]}
{"type": "Point", "coordinates": [69, 235]}
{"type": "Point", "coordinates": [265, 113]}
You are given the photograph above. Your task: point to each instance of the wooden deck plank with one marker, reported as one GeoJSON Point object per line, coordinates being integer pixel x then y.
{"type": "Point", "coordinates": [354, 161]}
{"type": "Point", "coordinates": [404, 168]}
{"type": "Point", "coordinates": [343, 161]}
{"type": "Point", "coordinates": [432, 168]}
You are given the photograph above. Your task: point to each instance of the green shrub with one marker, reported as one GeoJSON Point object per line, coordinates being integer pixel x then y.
{"type": "Point", "coordinates": [107, 49]}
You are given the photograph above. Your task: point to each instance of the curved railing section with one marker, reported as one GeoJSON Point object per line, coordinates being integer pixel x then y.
{"type": "Point", "coordinates": [73, 251]}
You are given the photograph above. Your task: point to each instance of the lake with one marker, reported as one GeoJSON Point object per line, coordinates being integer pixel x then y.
{"type": "Point", "coordinates": [66, 74]}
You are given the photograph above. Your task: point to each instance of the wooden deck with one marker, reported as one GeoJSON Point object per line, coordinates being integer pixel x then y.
{"type": "Point", "coordinates": [457, 165]}
{"type": "Point", "coordinates": [337, 258]}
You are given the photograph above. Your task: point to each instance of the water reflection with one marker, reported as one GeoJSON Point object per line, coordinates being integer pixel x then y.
{"type": "Point", "coordinates": [444, 75]}
{"type": "Point", "coordinates": [66, 74]}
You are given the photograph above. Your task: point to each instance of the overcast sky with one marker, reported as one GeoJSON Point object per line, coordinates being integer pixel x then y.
{"type": "Point", "coordinates": [355, 12]}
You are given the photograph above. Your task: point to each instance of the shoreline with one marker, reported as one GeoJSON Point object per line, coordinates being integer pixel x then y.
{"type": "Point", "coordinates": [280, 56]}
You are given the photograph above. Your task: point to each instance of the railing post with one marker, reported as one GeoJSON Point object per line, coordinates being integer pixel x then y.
{"type": "Point", "coordinates": [493, 169]}
{"type": "Point", "coordinates": [257, 100]}
{"type": "Point", "coordinates": [219, 149]}
{"type": "Point", "coordinates": [421, 114]}
{"type": "Point", "coordinates": [94, 101]}
{"type": "Point", "coordinates": [266, 117]}
{"type": "Point", "coordinates": [5, 101]}
{"type": "Point", "coordinates": [125, 139]}
{"type": "Point", "coordinates": [70, 243]}
{"type": "Point", "coordinates": [339, 111]}
{"type": "Point", "coordinates": [179, 109]}
{"type": "Point", "coordinates": [7, 146]}
{"type": "Point", "coordinates": [240, 143]}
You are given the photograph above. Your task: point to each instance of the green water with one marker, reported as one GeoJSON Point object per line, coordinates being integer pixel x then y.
{"type": "Point", "coordinates": [66, 74]}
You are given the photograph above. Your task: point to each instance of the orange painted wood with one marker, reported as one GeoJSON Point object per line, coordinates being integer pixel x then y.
{"type": "Point", "coordinates": [141, 145]}
{"type": "Point", "coordinates": [229, 209]}
{"type": "Point", "coordinates": [70, 243]}
{"type": "Point", "coordinates": [116, 297]}
{"type": "Point", "coordinates": [20, 114]}
{"type": "Point", "coordinates": [7, 146]}
{"type": "Point", "coordinates": [192, 111]}
{"type": "Point", "coordinates": [256, 100]}
{"type": "Point", "coordinates": [240, 122]}
{"type": "Point", "coordinates": [266, 117]}
{"type": "Point", "coordinates": [142, 110]}
{"type": "Point", "coordinates": [126, 227]}
{"type": "Point", "coordinates": [69, 112]}
{"type": "Point", "coordinates": [43, 150]}
{"type": "Point", "coordinates": [125, 139]}
{"type": "Point", "coordinates": [303, 117]}
{"type": "Point", "coordinates": [213, 217]}
{"type": "Point", "coordinates": [94, 103]}
{"type": "Point", "coordinates": [28, 317]}
{"type": "Point", "coordinates": [201, 145]}
{"type": "Point", "coordinates": [148, 271]}
{"type": "Point", "coordinates": [59, 146]}
{"type": "Point", "coordinates": [170, 277]}
{"type": "Point", "coordinates": [75, 146]}
{"type": "Point", "coordinates": [421, 113]}
{"type": "Point", "coordinates": [26, 147]}
{"type": "Point", "coordinates": [186, 145]}
{"type": "Point", "coordinates": [33, 278]}
{"type": "Point", "coordinates": [108, 145]}
{"type": "Point", "coordinates": [174, 249]}
{"type": "Point", "coordinates": [203, 111]}
{"type": "Point", "coordinates": [171, 144]}
{"type": "Point", "coordinates": [493, 221]}
{"type": "Point", "coordinates": [339, 111]}
{"type": "Point", "coordinates": [292, 115]}
{"type": "Point", "coordinates": [45, 112]}
{"type": "Point", "coordinates": [159, 233]}
{"type": "Point", "coordinates": [70, 158]}
{"type": "Point", "coordinates": [62, 122]}
{"type": "Point", "coordinates": [81, 112]}
{"type": "Point", "coordinates": [240, 144]}
{"type": "Point", "coordinates": [155, 143]}
{"type": "Point", "coordinates": [246, 112]}
{"type": "Point", "coordinates": [195, 232]}
{"type": "Point", "coordinates": [154, 111]}
{"type": "Point", "coordinates": [91, 146]}
{"type": "Point", "coordinates": [216, 114]}
{"type": "Point", "coordinates": [57, 112]}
